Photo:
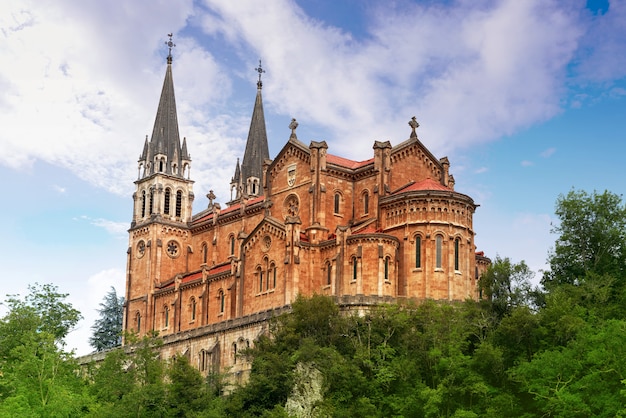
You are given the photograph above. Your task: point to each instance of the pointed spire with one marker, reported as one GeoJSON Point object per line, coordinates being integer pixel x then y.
{"type": "Point", "coordinates": [163, 153]}
{"type": "Point", "coordinates": [257, 149]}
{"type": "Point", "coordinates": [237, 175]}
{"type": "Point", "coordinates": [184, 153]}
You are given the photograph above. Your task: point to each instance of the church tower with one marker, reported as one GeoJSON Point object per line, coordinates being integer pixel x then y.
{"type": "Point", "coordinates": [159, 232]}
{"type": "Point", "coordinates": [248, 179]}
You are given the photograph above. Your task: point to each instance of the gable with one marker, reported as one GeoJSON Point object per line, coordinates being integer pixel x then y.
{"type": "Point", "coordinates": [294, 153]}
{"type": "Point", "coordinates": [416, 161]}
{"type": "Point", "coordinates": [269, 227]}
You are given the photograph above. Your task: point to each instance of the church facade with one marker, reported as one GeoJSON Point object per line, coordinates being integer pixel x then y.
{"type": "Point", "coordinates": [305, 222]}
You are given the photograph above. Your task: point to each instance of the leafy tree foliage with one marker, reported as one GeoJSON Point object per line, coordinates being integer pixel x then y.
{"type": "Point", "coordinates": [592, 238]}
{"type": "Point", "coordinates": [507, 285]}
{"type": "Point", "coordinates": [107, 330]}
{"type": "Point", "coordinates": [37, 377]}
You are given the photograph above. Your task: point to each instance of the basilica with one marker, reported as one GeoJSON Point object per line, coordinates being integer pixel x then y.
{"type": "Point", "coordinates": [304, 222]}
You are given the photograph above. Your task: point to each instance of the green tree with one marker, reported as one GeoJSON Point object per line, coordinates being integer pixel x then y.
{"type": "Point", "coordinates": [507, 285]}
{"type": "Point", "coordinates": [592, 238]}
{"type": "Point", "coordinates": [107, 330]}
{"type": "Point", "coordinates": [37, 377]}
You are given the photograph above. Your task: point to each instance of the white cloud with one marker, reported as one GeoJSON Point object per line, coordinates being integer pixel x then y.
{"type": "Point", "coordinates": [526, 163]}
{"type": "Point", "coordinates": [113, 228]}
{"type": "Point", "coordinates": [547, 153]}
{"type": "Point", "coordinates": [470, 71]}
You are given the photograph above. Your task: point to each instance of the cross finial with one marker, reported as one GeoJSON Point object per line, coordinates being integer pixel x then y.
{"type": "Point", "coordinates": [259, 70]}
{"type": "Point", "coordinates": [170, 45]}
{"type": "Point", "coordinates": [293, 125]}
{"type": "Point", "coordinates": [414, 125]}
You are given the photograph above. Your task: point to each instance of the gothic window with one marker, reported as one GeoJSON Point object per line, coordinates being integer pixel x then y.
{"type": "Point", "coordinates": [366, 203]}
{"type": "Point", "coordinates": [193, 309]}
{"type": "Point", "coordinates": [354, 268]}
{"type": "Point", "coordinates": [273, 270]}
{"type": "Point", "coordinates": [205, 253]}
{"type": "Point", "coordinates": [174, 168]}
{"type": "Point", "coordinates": [138, 321]}
{"type": "Point", "coordinates": [166, 207]}
{"type": "Point", "coordinates": [143, 203]}
{"type": "Point", "coordinates": [438, 250]}
{"type": "Point", "coordinates": [329, 271]}
{"type": "Point", "coordinates": [179, 203]}
{"type": "Point", "coordinates": [418, 252]}
{"type": "Point", "coordinates": [161, 165]}
{"type": "Point", "coordinates": [456, 254]}
{"type": "Point", "coordinates": [151, 201]}
{"type": "Point", "coordinates": [260, 273]}
{"type": "Point", "coordinates": [222, 299]}
{"type": "Point", "coordinates": [166, 317]}
{"type": "Point", "coordinates": [337, 201]}
{"type": "Point", "coordinates": [387, 268]}
{"type": "Point", "coordinates": [235, 353]}
{"type": "Point", "coordinates": [232, 245]}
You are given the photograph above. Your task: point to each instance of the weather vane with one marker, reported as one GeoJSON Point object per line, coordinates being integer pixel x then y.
{"type": "Point", "coordinates": [170, 45]}
{"type": "Point", "coordinates": [259, 70]}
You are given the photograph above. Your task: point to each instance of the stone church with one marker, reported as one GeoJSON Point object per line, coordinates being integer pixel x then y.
{"type": "Point", "coordinates": [305, 222]}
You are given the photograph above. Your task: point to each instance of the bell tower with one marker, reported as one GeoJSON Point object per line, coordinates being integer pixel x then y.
{"type": "Point", "coordinates": [159, 234]}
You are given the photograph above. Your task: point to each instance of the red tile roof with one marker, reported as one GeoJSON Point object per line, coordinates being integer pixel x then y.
{"type": "Point", "coordinates": [344, 162]}
{"type": "Point", "coordinates": [230, 209]}
{"type": "Point", "coordinates": [219, 269]}
{"type": "Point", "coordinates": [426, 184]}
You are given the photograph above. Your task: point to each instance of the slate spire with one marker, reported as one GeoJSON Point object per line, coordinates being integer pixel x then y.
{"type": "Point", "coordinates": [163, 153]}
{"type": "Point", "coordinates": [257, 149]}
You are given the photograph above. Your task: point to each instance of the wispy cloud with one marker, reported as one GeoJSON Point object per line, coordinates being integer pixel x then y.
{"type": "Point", "coordinates": [119, 229]}
{"type": "Point", "coordinates": [548, 152]}
{"type": "Point", "coordinates": [527, 163]}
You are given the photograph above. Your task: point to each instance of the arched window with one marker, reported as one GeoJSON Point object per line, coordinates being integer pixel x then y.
{"type": "Point", "coordinates": [166, 206]}
{"type": "Point", "coordinates": [273, 276]}
{"type": "Point", "coordinates": [161, 165]}
{"type": "Point", "coordinates": [143, 203]}
{"type": "Point", "coordinates": [418, 252]}
{"type": "Point", "coordinates": [222, 299]}
{"type": "Point", "coordinates": [151, 201]}
{"type": "Point", "coordinates": [179, 203]}
{"type": "Point", "coordinates": [337, 202]}
{"type": "Point", "coordinates": [260, 273]}
{"type": "Point", "coordinates": [205, 253]}
{"type": "Point", "coordinates": [438, 250]}
{"type": "Point", "coordinates": [193, 309]}
{"type": "Point", "coordinates": [235, 353]}
{"type": "Point", "coordinates": [456, 254]}
{"type": "Point", "coordinates": [232, 245]}
{"type": "Point", "coordinates": [329, 271]}
{"type": "Point", "coordinates": [166, 317]}
{"type": "Point", "coordinates": [138, 321]}
{"type": "Point", "coordinates": [354, 268]}
{"type": "Point", "coordinates": [366, 203]}
{"type": "Point", "coordinates": [386, 268]}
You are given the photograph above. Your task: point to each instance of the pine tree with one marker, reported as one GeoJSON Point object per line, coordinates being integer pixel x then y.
{"type": "Point", "coordinates": [107, 331]}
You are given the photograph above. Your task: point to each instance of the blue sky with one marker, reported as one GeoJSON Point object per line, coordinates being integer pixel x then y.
{"type": "Point", "coordinates": [527, 99]}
